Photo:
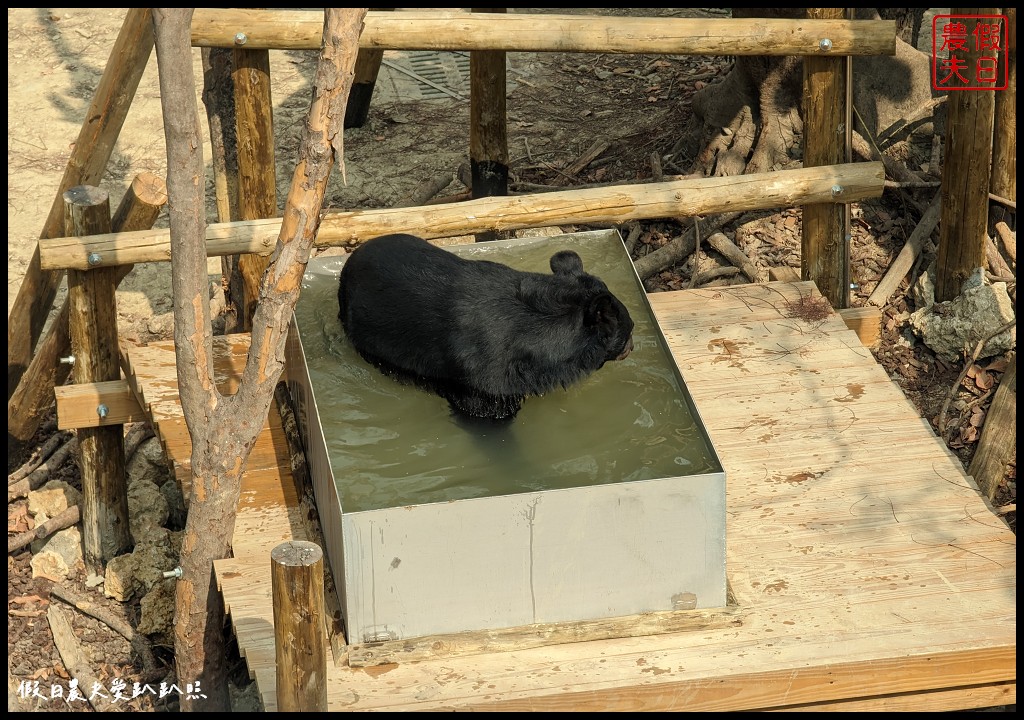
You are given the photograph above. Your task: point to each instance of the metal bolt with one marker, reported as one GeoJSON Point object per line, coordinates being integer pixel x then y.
{"type": "Point", "coordinates": [102, 410]}
{"type": "Point", "coordinates": [825, 44]}
{"type": "Point", "coordinates": [837, 190]}
{"type": "Point", "coordinates": [69, 360]}
{"type": "Point", "coordinates": [175, 573]}
{"type": "Point", "coordinates": [240, 38]}
{"type": "Point", "coordinates": [854, 286]}
{"type": "Point", "coordinates": [94, 258]}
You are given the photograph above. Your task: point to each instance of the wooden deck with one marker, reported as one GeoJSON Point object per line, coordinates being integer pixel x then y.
{"type": "Point", "coordinates": [867, 571]}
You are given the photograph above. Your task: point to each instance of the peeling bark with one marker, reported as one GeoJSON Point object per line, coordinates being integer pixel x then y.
{"type": "Point", "coordinates": [224, 428]}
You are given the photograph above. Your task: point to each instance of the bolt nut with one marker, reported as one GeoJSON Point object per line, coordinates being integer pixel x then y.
{"type": "Point", "coordinates": [837, 190]}
{"type": "Point", "coordinates": [102, 410]}
{"type": "Point", "coordinates": [175, 573]}
{"type": "Point", "coordinates": [240, 38]}
{"type": "Point", "coordinates": [825, 44]}
{"type": "Point", "coordinates": [94, 258]}
{"type": "Point", "coordinates": [69, 360]}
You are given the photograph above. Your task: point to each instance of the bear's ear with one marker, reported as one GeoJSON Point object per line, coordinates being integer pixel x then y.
{"type": "Point", "coordinates": [566, 262]}
{"type": "Point", "coordinates": [602, 311]}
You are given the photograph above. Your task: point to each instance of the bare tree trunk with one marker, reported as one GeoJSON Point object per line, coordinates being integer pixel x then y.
{"type": "Point", "coordinates": [224, 429]}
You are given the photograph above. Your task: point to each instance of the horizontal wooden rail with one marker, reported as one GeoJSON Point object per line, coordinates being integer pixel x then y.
{"type": "Point", "coordinates": [78, 406]}
{"type": "Point", "coordinates": [614, 204]}
{"type": "Point", "coordinates": [425, 30]}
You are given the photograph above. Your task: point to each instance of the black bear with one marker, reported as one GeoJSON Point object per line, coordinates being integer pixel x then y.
{"type": "Point", "coordinates": [480, 334]}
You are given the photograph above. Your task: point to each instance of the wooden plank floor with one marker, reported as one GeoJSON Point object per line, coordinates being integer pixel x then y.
{"type": "Point", "coordinates": [867, 570]}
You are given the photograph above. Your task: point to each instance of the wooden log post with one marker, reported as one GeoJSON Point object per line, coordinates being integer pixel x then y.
{"type": "Point", "coordinates": [825, 251]}
{"type": "Point", "coordinates": [1004, 138]}
{"type": "Point", "coordinates": [93, 325]}
{"type": "Point", "coordinates": [138, 210]}
{"type": "Point", "coordinates": [488, 132]}
{"type": "Point", "coordinates": [367, 67]}
{"type": "Point", "coordinates": [966, 173]}
{"type": "Point", "coordinates": [297, 581]}
{"type": "Point", "coordinates": [614, 204]}
{"type": "Point", "coordinates": [88, 162]}
{"type": "Point", "coordinates": [257, 171]}
{"type": "Point", "coordinates": [219, 99]}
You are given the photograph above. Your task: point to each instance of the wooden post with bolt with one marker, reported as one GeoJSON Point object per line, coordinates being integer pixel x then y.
{"type": "Point", "coordinates": [93, 326]}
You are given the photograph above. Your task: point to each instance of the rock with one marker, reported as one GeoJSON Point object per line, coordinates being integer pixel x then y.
{"type": "Point", "coordinates": [148, 463]}
{"type": "Point", "coordinates": [58, 556]}
{"type": "Point", "coordinates": [954, 328]}
{"type": "Point", "coordinates": [156, 551]}
{"type": "Point", "coordinates": [119, 582]}
{"type": "Point", "coordinates": [51, 500]}
{"type": "Point", "coordinates": [157, 611]}
{"type": "Point", "coordinates": [147, 507]}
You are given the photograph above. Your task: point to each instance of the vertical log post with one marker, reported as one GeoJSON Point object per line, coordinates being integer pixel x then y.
{"type": "Point", "coordinates": [367, 68]}
{"type": "Point", "coordinates": [297, 573]}
{"type": "Point", "coordinates": [1004, 138]}
{"type": "Point", "coordinates": [966, 172]}
{"type": "Point", "coordinates": [219, 99]}
{"type": "Point", "coordinates": [86, 166]}
{"type": "Point", "coordinates": [257, 172]}
{"type": "Point", "coordinates": [488, 132]}
{"type": "Point", "coordinates": [824, 248]}
{"type": "Point", "coordinates": [138, 210]}
{"type": "Point", "coordinates": [93, 325]}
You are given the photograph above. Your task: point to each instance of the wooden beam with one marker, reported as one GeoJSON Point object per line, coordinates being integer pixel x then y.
{"type": "Point", "coordinates": [488, 133]}
{"type": "Point", "coordinates": [77, 405]}
{"type": "Point", "coordinates": [367, 66]}
{"type": "Point", "coordinates": [93, 326]}
{"type": "Point", "coordinates": [436, 647]}
{"type": "Point", "coordinates": [615, 204]}
{"type": "Point", "coordinates": [865, 321]}
{"type": "Point", "coordinates": [825, 252]}
{"type": "Point", "coordinates": [522, 32]}
{"type": "Point", "coordinates": [257, 171]}
{"type": "Point", "coordinates": [88, 162]}
{"type": "Point", "coordinates": [138, 210]}
{"type": "Point", "coordinates": [1004, 142]}
{"type": "Point", "coordinates": [966, 172]}
{"type": "Point", "coordinates": [998, 436]}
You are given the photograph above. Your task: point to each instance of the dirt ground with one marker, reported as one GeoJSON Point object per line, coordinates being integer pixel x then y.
{"type": "Point", "coordinates": [559, 105]}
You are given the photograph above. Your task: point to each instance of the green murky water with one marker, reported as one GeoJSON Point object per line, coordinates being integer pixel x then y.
{"type": "Point", "coordinates": [393, 444]}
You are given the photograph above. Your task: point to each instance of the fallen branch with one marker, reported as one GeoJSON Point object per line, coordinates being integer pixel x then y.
{"type": "Point", "coordinates": [963, 373]}
{"type": "Point", "coordinates": [635, 231]}
{"type": "Point", "coordinates": [38, 457]}
{"type": "Point", "coordinates": [152, 671]}
{"type": "Point", "coordinates": [66, 519]}
{"type": "Point", "coordinates": [42, 473]}
{"type": "Point", "coordinates": [427, 191]}
{"type": "Point", "coordinates": [995, 260]}
{"type": "Point", "coordinates": [905, 260]}
{"type": "Point", "coordinates": [678, 248]}
{"type": "Point", "coordinates": [715, 273]}
{"type": "Point", "coordinates": [570, 171]}
{"type": "Point", "coordinates": [1009, 240]}
{"type": "Point", "coordinates": [75, 659]}
{"type": "Point", "coordinates": [723, 245]}
{"type": "Point", "coordinates": [1002, 201]}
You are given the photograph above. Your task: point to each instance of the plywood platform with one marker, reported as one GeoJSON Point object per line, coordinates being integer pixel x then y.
{"type": "Point", "coordinates": [867, 571]}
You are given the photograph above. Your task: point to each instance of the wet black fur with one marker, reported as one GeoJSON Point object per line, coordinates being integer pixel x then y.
{"type": "Point", "coordinates": [480, 334]}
